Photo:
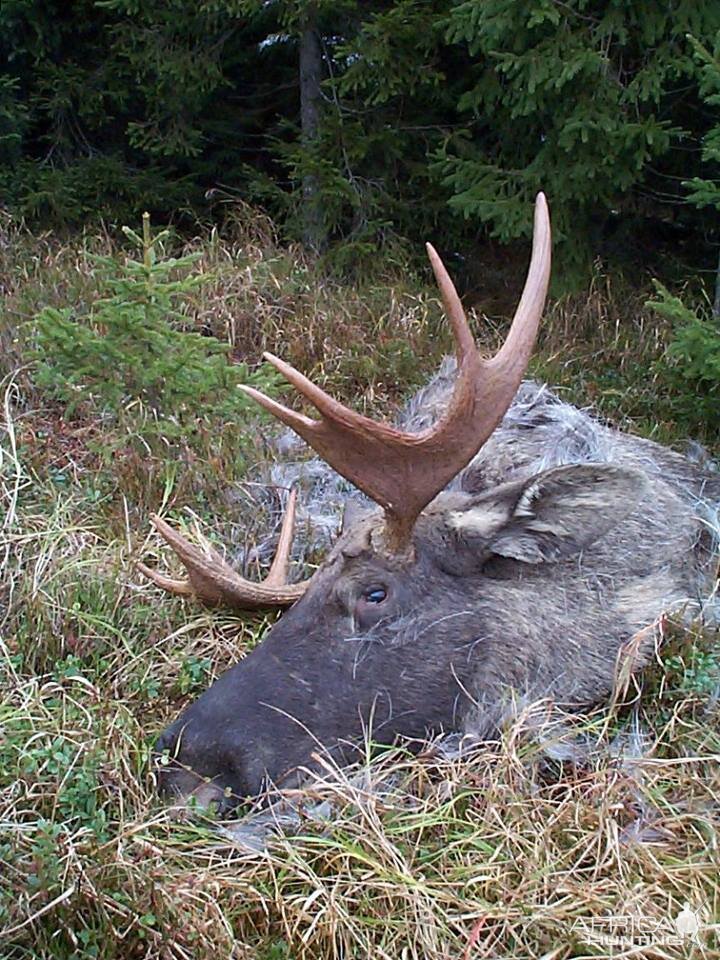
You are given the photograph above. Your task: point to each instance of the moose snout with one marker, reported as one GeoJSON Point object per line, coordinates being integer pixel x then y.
{"type": "Point", "coordinates": [185, 789]}
{"type": "Point", "coordinates": [178, 784]}
{"type": "Point", "coordinates": [186, 770]}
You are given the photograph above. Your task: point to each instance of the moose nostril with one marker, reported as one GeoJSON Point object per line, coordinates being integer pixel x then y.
{"type": "Point", "coordinates": [178, 785]}
{"type": "Point", "coordinates": [210, 794]}
{"type": "Point", "coordinates": [167, 744]}
{"type": "Point", "coordinates": [175, 783]}
{"type": "Point", "coordinates": [173, 779]}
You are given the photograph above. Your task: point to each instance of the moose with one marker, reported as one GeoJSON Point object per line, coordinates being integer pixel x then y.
{"type": "Point", "coordinates": [516, 545]}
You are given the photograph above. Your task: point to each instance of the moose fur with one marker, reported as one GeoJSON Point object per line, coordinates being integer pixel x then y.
{"type": "Point", "coordinates": [560, 541]}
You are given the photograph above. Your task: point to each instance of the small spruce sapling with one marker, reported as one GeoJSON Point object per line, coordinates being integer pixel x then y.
{"type": "Point", "coordinates": [128, 358]}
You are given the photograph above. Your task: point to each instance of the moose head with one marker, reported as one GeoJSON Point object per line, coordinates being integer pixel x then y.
{"type": "Point", "coordinates": [422, 614]}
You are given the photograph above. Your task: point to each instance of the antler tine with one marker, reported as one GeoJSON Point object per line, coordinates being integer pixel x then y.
{"type": "Point", "coordinates": [403, 472]}
{"type": "Point", "coordinates": [516, 351]}
{"type": "Point", "coordinates": [464, 340]}
{"type": "Point", "coordinates": [214, 581]}
{"type": "Point", "coordinates": [278, 573]}
{"type": "Point", "coordinates": [181, 588]}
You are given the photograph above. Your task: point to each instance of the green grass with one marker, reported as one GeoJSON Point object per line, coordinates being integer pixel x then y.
{"type": "Point", "coordinates": [500, 854]}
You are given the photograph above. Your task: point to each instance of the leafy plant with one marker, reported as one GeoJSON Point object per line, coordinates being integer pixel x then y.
{"type": "Point", "coordinates": [698, 672]}
{"type": "Point", "coordinates": [193, 675]}
{"type": "Point", "coordinates": [695, 354]}
{"type": "Point", "coordinates": [131, 357]}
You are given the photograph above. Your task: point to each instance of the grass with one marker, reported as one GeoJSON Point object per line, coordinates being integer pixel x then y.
{"type": "Point", "coordinates": [523, 849]}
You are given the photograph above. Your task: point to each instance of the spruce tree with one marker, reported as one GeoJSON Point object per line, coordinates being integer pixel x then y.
{"type": "Point", "coordinates": [131, 359]}
{"type": "Point", "coordinates": [587, 100]}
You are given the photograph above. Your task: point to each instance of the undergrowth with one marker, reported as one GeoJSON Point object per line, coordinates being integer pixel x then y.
{"type": "Point", "coordinates": [520, 850]}
{"type": "Point", "coordinates": [131, 362]}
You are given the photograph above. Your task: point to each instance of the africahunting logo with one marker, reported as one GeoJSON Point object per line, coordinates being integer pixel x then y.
{"type": "Point", "coordinates": [685, 927]}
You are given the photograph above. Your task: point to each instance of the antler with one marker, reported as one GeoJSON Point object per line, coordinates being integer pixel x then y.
{"type": "Point", "coordinates": [403, 472]}
{"type": "Point", "coordinates": [212, 580]}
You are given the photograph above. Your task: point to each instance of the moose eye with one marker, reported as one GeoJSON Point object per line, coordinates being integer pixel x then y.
{"type": "Point", "coordinates": [375, 595]}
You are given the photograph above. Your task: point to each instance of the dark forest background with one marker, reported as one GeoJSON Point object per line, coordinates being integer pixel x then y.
{"type": "Point", "coordinates": [371, 126]}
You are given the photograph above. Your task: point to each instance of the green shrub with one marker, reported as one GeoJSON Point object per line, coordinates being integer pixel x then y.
{"type": "Point", "coordinates": [128, 358]}
{"type": "Point", "coordinates": [694, 351]}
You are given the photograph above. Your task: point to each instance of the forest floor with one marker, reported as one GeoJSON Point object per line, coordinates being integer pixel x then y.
{"type": "Point", "coordinates": [528, 848]}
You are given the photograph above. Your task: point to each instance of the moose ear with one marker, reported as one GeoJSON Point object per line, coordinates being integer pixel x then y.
{"type": "Point", "coordinates": [551, 516]}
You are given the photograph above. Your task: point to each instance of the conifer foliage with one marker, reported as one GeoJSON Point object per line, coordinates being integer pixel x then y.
{"type": "Point", "coordinates": [591, 101]}
{"type": "Point", "coordinates": [130, 358]}
{"type": "Point", "coordinates": [358, 124]}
